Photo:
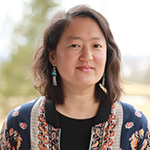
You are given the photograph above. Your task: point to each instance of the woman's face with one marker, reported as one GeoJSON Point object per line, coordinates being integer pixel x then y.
{"type": "Point", "coordinates": [80, 55]}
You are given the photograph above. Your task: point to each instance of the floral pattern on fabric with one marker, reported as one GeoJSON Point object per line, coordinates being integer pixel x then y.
{"type": "Point", "coordinates": [43, 129]}
{"type": "Point", "coordinates": [48, 136]}
{"type": "Point", "coordinates": [11, 140]}
{"type": "Point", "coordinates": [146, 142]}
{"type": "Point", "coordinates": [11, 137]}
{"type": "Point", "coordinates": [138, 113]}
{"type": "Point", "coordinates": [109, 133]}
{"type": "Point", "coordinates": [103, 133]}
{"type": "Point", "coordinates": [138, 136]}
{"type": "Point", "coordinates": [54, 138]}
{"type": "Point", "coordinates": [134, 135]}
{"type": "Point", "coordinates": [135, 138]}
{"type": "Point", "coordinates": [129, 125]}
{"type": "Point", "coordinates": [23, 125]}
{"type": "Point", "coordinates": [97, 138]}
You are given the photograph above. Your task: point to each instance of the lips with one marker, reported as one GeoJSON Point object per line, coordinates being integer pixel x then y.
{"type": "Point", "coordinates": [85, 68]}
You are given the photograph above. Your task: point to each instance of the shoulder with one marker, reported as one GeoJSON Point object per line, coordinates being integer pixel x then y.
{"type": "Point", "coordinates": [133, 118]}
{"type": "Point", "coordinates": [16, 127]}
{"type": "Point", "coordinates": [132, 113]}
{"type": "Point", "coordinates": [135, 129]}
{"type": "Point", "coordinates": [20, 114]}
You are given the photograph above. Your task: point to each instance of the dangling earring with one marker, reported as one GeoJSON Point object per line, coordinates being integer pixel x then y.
{"type": "Point", "coordinates": [54, 74]}
{"type": "Point", "coordinates": [102, 85]}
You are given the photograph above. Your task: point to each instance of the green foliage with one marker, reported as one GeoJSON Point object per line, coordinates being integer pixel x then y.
{"type": "Point", "coordinates": [15, 76]}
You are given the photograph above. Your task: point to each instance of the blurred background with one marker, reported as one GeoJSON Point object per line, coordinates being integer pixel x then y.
{"type": "Point", "coordinates": [21, 26]}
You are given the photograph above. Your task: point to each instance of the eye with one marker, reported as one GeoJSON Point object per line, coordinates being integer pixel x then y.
{"type": "Point", "coordinates": [74, 45]}
{"type": "Point", "coordinates": [97, 46]}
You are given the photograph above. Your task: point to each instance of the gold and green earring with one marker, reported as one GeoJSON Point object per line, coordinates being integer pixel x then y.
{"type": "Point", "coordinates": [102, 85]}
{"type": "Point", "coordinates": [54, 74]}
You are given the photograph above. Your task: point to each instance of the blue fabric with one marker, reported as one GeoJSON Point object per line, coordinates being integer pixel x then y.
{"type": "Point", "coordinates": [15, 133]}
{"type": "Point", "coordinates": [136, 122]}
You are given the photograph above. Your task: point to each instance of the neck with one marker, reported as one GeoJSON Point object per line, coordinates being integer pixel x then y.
{"type": "Point", "coordinates": [79, 104]}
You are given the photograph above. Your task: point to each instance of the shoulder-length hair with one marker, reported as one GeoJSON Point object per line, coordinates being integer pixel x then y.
{"type": "Point", "coordinates": [42, 67]}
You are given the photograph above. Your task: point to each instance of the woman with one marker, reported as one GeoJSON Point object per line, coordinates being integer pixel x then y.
{"type": "Point", "coordinates": [77, 70]}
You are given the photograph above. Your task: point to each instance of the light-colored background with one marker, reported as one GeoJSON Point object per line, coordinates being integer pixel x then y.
{"type": "Point", "coordinates": [129, 22]}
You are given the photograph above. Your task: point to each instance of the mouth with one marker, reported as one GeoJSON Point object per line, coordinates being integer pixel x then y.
{"type": "Point", "coordinates": [85, 68]}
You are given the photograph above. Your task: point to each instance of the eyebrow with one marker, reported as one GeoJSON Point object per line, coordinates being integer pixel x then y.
{"type": "Point", "coordinates": [80, 38]}
{"type": "Point", "coordinates": [73, 38]}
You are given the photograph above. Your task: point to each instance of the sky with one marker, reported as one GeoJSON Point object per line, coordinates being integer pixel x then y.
{"type": "Point", "coordinates": [129, 22]}
{"type": "Point", "coordinates": [10, 15]}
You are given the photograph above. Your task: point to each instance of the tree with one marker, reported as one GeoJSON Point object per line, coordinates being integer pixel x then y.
{"type": "Point", "coordinates": [16, 73]}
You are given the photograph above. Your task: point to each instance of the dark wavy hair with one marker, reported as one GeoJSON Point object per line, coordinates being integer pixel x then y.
{"type": "Point", "coordinates": [42, 67]}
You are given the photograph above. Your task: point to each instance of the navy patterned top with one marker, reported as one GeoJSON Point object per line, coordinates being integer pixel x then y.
{"type": "Point", "coordinates": [36, 125]}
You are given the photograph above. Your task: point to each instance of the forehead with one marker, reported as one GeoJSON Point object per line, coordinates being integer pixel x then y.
{"type": "Point", "coordinates": [82, 25]}
{"type": "Point", "coordinates": [79, 19]}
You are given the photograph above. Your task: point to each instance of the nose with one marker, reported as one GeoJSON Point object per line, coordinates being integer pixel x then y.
{"type": "Point", "coordinates": [86, 54]}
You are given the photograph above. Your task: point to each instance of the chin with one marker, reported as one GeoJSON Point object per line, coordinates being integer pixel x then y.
{"type": "Point", "coordinates": [86, 83]}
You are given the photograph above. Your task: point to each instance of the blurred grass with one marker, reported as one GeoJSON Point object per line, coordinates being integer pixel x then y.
{"type": "Point", "coordinates": [136, 89]}
{"type": "Point", "coordinates": [7, 104]}
{"type": "Point", "coordinates": [138, 95]}
{"type": "Point", "coordinates": [132, 93]}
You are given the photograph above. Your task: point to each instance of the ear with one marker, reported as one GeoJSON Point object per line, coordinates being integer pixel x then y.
{"type": "Point", "coordinates": [52, 57]}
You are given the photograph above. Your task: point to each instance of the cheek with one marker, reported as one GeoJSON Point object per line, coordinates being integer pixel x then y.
{"type": "Point", "coordinates": [63, 58]}
{"type": "Point", "coordinates": [64, 63]}
{"type": "Point", "coordinates": [101, 59]}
